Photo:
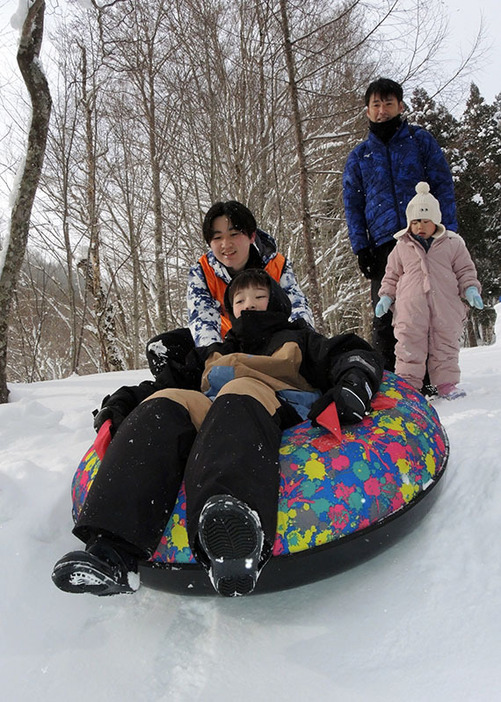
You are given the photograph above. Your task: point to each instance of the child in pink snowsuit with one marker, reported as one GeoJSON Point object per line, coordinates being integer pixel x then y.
{"type": "Point", "coordinates": [427, 274]}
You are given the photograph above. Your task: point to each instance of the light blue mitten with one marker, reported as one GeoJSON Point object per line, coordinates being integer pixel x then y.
{"type": "Point", "coordinates": [473, 297]}
{"type": "Point", "coordinates": [384, 304]}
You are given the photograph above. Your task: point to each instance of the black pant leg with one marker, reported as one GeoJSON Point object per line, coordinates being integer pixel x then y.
{"type": "Point", "coordinates": [236, 453]}
{"type": "Point", "coordinates": [383, 338]}
{"type": "Point", "coordinates": [136, 485]}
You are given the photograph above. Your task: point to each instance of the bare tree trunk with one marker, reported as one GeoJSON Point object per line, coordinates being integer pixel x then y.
{"type": "Point", "coordinates": [161, 290]}
{"type": "Point", "coordinates": [15, 244]}
{"type": "Point", "coordinates": [76, 329]}
{"type": "Point", "coordinates": [314, 290]}
{"type": "Point", "coordinates": [146, 78]}
{"type": "Point", "coordinates": [105, 315]}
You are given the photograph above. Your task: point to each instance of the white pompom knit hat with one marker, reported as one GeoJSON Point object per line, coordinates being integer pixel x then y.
{"type": "Point", "coordinates": [425, 206]}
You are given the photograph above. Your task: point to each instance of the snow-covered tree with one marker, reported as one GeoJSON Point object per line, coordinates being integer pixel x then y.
{"type": "Point", "coordinates": [478, 194]}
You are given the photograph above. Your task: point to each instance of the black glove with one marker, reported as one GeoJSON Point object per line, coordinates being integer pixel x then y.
{"type": "Point", "coordinates": [108, 412]}
{"type": "Point", "coordinates": [332, 395]}
{"type": "Point", "coordinates": [367, 262]}
{"type": "Point", "coordinates": [352, 397]}
{"type": "Point", "coordinates": [169, 346]}
{"type": "Point", "coordinates": [121, 403]}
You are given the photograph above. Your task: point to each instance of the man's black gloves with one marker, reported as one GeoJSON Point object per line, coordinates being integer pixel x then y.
{"type": "Point", "coordinates": [352, 397]}
{"type": "Point", "coordinates": [367, 262]}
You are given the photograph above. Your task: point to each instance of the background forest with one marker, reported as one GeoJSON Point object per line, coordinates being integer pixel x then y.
{"type": "Point", "coordinates": [162, 107]}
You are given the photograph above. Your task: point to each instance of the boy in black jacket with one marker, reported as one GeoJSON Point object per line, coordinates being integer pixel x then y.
{"type": "Point", "coordinates": [215, 421]}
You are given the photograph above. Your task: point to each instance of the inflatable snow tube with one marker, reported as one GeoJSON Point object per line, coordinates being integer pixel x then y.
{"type": "Point", "coordinates": [340, 501]}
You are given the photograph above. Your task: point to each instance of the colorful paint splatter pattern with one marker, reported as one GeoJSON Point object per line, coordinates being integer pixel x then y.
{"type": "Point", "coordinates": [328, 489]}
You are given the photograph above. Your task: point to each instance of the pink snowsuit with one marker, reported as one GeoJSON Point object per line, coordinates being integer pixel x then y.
{"type": "Point", "coordinates": [428, 314]}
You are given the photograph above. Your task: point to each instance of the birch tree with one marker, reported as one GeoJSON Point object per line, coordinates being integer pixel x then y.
{"type": "Point", "coordinates": [91, 266]}
{"type": "Point", "coordinates": [303, 171]}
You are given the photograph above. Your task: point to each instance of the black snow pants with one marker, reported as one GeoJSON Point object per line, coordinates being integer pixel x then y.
{"type": "Point", "coordinates": [234, 452]}
{"type": "Point", "coordinates": [383, 338]}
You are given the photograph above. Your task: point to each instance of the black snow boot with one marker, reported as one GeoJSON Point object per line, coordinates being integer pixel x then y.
{"type": "Point", "coordinates": [231, 537]}
{"type": "Point", "coordinates": [429, 390]}
{"type": "Point", "coordinates": [102, 569]}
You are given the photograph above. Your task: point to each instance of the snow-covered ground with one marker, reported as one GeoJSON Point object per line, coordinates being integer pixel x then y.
{"type": "Point", "coordinates": [420, 622]}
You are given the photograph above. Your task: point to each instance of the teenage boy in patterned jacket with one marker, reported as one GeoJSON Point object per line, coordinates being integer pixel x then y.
{"type": "Point", "coordinates": [235, 243]}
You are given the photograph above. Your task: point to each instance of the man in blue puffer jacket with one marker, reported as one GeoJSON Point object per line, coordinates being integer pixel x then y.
{"type": "Point", "coordinates": [379, 180]}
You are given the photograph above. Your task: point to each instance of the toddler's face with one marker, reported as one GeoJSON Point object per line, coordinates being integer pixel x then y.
{"type": "Point", "coordinates": [250, 299]}
{"type": "Point", "coordinates": [423, 228]}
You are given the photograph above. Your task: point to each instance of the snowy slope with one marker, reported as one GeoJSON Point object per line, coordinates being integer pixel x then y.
{"type": "Point", "coordinates": [421, 621]}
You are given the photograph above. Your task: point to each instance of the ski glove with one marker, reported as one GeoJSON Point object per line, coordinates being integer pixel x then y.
{"type": "Point", "coordinates": [473, 297]}
{"type": "Point", "coordinates": [384, 304]}
{"type": "Point", "coordinates": [352, 397]}
{"type": "Point", "coordinates": [120, 404]}
{"type": "Point", "coordinates": [108, 412]}
{"type": "Point", "coordinates": [168, 346]}
{"type": "Point", "coordinates": [367, 262]}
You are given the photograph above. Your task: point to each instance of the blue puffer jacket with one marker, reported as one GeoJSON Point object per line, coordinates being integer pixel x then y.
{"type": "Point", "coordinates": [380, 179]}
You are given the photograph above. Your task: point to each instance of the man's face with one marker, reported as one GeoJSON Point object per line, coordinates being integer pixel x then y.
{"type": "Point", "coordinates": [251, 298]}
{"type": "Point", "coordinates": [229, 245]}
{"type": "Point", "coordinates": [382, 109]}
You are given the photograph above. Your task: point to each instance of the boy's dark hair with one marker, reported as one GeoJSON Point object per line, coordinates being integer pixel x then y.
{"type": "Point", "coordinates": [248, 278]}
{"type": "Point", "coordinates": [239, 215]}
{"type": "Point", "coordinates": [384, 87]}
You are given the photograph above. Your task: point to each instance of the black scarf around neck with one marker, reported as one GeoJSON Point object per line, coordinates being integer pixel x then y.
{"type": "Point", "coordinates": [385, 130]}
